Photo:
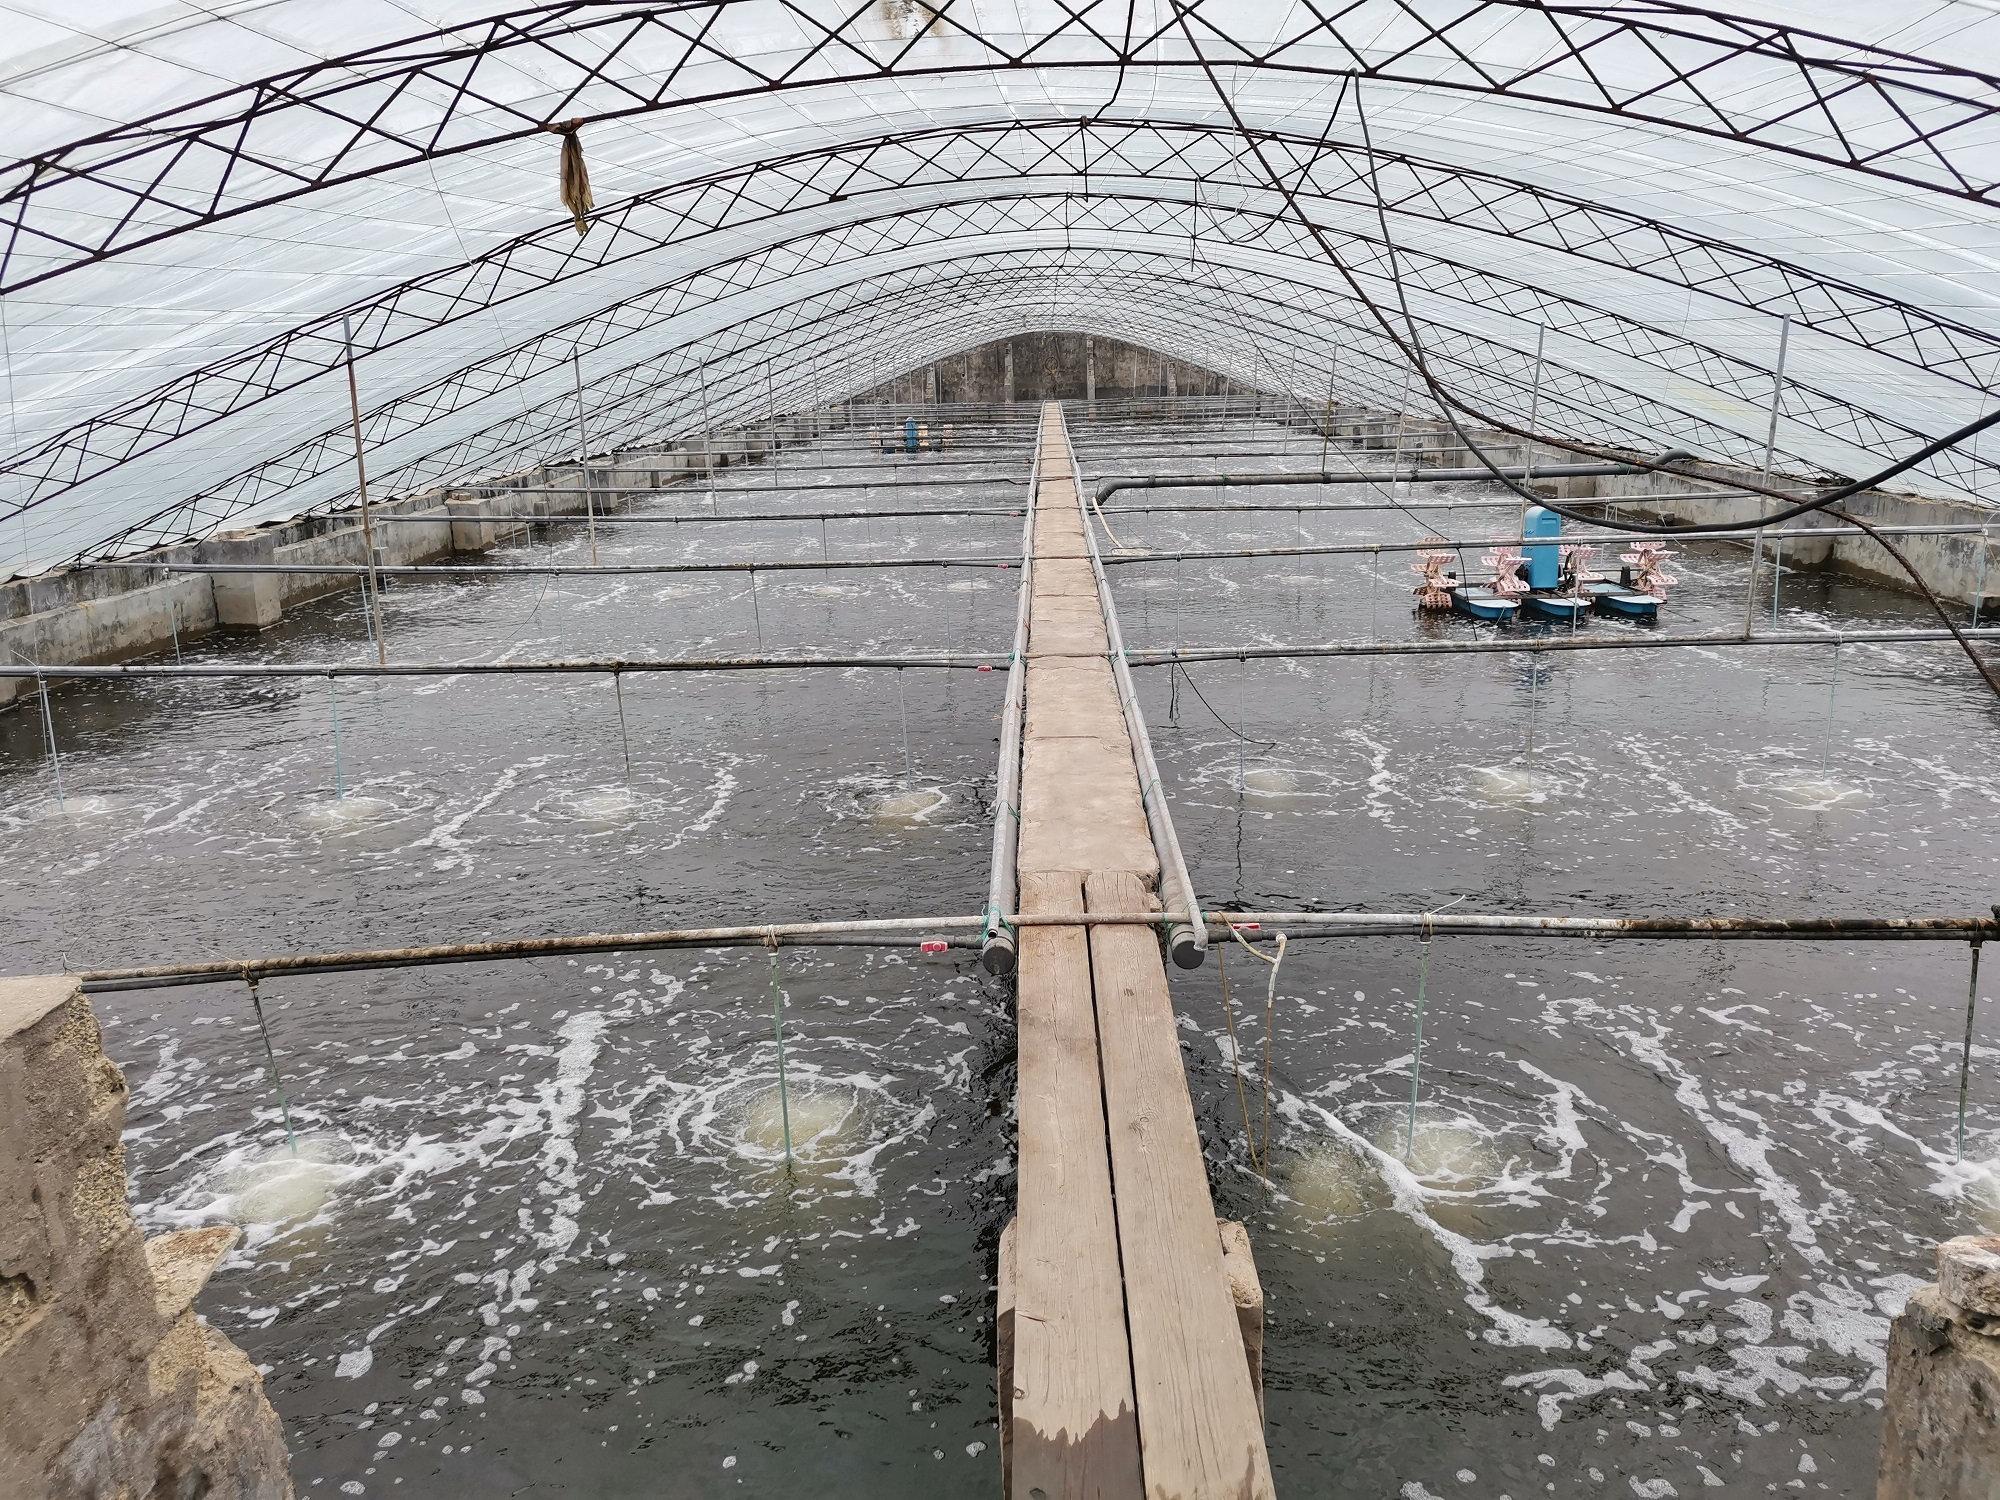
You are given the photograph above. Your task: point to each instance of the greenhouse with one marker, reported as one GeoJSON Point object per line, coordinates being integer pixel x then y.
{"type": "Point", "coordinates": [1037, 749]}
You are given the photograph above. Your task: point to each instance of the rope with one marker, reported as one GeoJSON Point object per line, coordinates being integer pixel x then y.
{"type": "Point", "coordinates": [1236, 1060]}
{"type": "Point", "coordinates": [1276, 961]}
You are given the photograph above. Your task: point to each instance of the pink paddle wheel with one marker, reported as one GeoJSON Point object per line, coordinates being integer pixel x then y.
{"type": "Point", "coordinates": [1433, 589]}
{"type": "Point", "coordinates": [1648, 560]}
{"type": "Point", "coordinates": [1576, 557]}
{"type": "Point", "coordinates": [1506, 563]}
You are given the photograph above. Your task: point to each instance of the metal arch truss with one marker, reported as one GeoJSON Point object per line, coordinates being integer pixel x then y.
{"type": "Point", "coordinates": [1274, 244]}
{"type": "Point", "coordinates": [1163, 160]}
{"type": "Point", "coordinates": [1679, 68]}
{"type": "Point", "coordinates": [827, 335]}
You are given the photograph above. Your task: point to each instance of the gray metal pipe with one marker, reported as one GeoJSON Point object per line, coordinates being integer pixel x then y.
{"type": "Point", "coordinates": [1438, 544]}
{"type": "Point", "coordinates": [888, 481]}
{"type": "Point", "coordinates": [439, 517]}
{"type": "Point", "coordinates": [1412, 475]}
{"type": "Point", "coordinates": [893, 932]}
{"type": "Point", "coordinates": [998, 948]}
{"type": "Point", "coordinates": [1488, 646]}
{"type": "Point", "coordinates": [936, 934]}
{"type": "Point", "coordinates": [81, 672]}
{"type": "Point", "coordinates": [557, 570]}
{"type": "Point", "coordinates": [1187, 938]}
{"type": "Point", "coordinates": [1498, 502]}
{"type": "Point", "coordinates": [1297, 924]}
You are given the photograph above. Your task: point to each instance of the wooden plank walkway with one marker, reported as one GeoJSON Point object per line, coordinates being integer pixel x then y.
{"type": "Point", "coordinates": [1128, 1369]}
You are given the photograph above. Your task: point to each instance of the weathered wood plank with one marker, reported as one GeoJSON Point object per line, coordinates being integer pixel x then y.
{"type": "Point", "coordinates": [1200, 1432]}
{"type": "Point", "coordinates": [1074, 1430]}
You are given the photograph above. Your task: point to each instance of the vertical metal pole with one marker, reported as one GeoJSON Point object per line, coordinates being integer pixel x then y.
{"type": "Point", "coordinates": [778, 1034]}
{"type": "Point", "coordinates": [1534, 700]}
{"type": "Point", "coordinates": [903, 710]}
{"type": "Point", "coordinates": [756, 615]}
{"type": "Point", "coordinates": [771, 400]}
{"type": "Point", "coordinates": [1534, 408]}
{"type": "Point", "coordinates": [333, 703]}
{"type": "Point", "coordinates": [1417, 1048]}
{"type": "Point", "coordinates": [1965, 1053]}
{"type": "Point", "coordinates": [271, 1061]}
{"type": "Point", "coordinates": [624, 739]}
{"type": "Point", "coordinates": [1979, 588]}
{"type": "Point", "coordinates": [1777, 574]}
{"type": "Point", "coordinates": [49, 731]}
{"type": "Point", "coordinates": [707, 446]}
{"type": "Point", "coordinates": [1832, 687]}
{"type": "Point", "coordinates": [583, 456]}
{"type": "Point", "coordinates": [1326, 417]}
{"type": "Point", "coordinates": [174, 618]}
{"type": "Point", "coordinates": [361, 488]}
{"type": "Point", "coordinates": [1770, 451]}
{"type": "Point", "coordinates": [1374, 587]}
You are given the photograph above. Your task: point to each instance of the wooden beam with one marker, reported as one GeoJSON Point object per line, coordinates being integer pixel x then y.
{"type": "Point", "coordinates": [1200, 1433]}
{"type": "Point", "coordinates": [1074, 1430]}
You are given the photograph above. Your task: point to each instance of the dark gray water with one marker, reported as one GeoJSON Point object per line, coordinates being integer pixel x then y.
{"type": "Point", "coordinates": [1663, 1197]}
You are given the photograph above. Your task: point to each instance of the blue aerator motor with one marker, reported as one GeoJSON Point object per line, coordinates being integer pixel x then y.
{"type": "Point", "coordinates": [1544, 561]}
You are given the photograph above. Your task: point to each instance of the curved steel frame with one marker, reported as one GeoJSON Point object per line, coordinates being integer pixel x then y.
{"type": "Point", "coordinates": [1154, 156]}
{"type": "Point", "coordinates": [1867, 109]}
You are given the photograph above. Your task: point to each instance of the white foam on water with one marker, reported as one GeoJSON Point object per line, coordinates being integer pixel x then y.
{"type": "Point", "coordinates": [967, 586]}
{"type": "Point", "coordinates": [75, 806]}
{"type": "Point", "coordinates": [445, 835]}
{"type": "Point", "coordinates": [906, 807]}
{"type": "Point", "coordinates": [1637, 752]}
{"type": "Point", "coordinates": [1814, 793]}
{"type": "Point", "coordinates": [602, 804]}
{"type": "Point", "coordinates": [1514, 786]}
{"type": "Point", "coordinates": [559, 1103]}
{"type": "Point", "coordinates": [841, 1124]}
{"type": "Point", "coordinates": [349, 811]}
{"type": "Point", "coordinates": [1411, 1196]}
{"type": "Point", "coordinates": [272, 1186]}
{"type": "Point", "coordinates": [1381, 780]}
{"type": "Point", "coordinates": [1328, 1183]}
{"type": "Point", "coordinates": [1448, 1152]}
{"type": "Point", "coordinates": [826, 1124]}
{"type": "Point", "coordinates": [1272, 782]}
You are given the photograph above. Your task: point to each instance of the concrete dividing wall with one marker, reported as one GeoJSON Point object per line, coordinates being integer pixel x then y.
{"type": "Point", "coordinates": [110, 1385]}
{"type": "Point", "coordinates": [85, 615]}
{"type": "Point", "coordinates": [1052, 367]}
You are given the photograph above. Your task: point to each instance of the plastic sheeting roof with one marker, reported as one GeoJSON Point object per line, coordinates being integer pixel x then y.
{"type": "Point", "coordinates": [795, 201]}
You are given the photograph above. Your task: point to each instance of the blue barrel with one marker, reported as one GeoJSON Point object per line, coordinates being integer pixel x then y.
{"type": "Point", "coordinates": [909, 434]}
{"type": "Point", "coordinates": [1544, 562]}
